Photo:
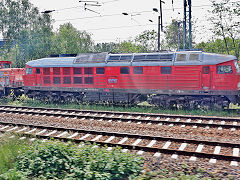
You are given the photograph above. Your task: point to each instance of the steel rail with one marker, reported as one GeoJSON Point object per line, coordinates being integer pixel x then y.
{"type": "Point", "coordinates": [129, 113]}
{"type": "Point", "coordinates": [83, 114]}
{"type": "Point", "coordinates": [135, 136]}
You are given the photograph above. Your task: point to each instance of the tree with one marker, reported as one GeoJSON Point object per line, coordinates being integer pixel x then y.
{"type": "Point", "coordinates": [69, 40]}
{"type": "Point", "coordinates": [147, 40]}
{"type": "Point", "coordinates": [127, 47]}
{"type": "Point", "coordinates": [174, 35]}
{"type": "Point", "coordinates": [122, 47]}
{"type": "Point", "coordinates": [226, 23]}
{"type": "Point", "coordinates": [218, 46]}
{"type": "Point", "coordinates": [25, 30]}
{"type": "Point", "coordinates": [105, 47]}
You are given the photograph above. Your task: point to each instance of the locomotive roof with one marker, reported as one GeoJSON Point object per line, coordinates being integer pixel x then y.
{"type": "Point", "coordinates": [135, 59]}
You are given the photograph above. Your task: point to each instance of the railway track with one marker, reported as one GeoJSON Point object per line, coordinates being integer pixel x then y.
{"type": "Point", "coordinates": [138, 118]}
{"type": "Point", "coordinates": [157, 145]}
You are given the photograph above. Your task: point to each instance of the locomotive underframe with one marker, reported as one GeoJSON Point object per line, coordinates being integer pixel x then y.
{"type": "Point", "coordinates": [12, 91]}
{"type": "Point", "coordinates": [190, 99]}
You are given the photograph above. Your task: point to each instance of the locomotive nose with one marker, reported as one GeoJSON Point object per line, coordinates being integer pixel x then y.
{"type": "Point", "coordinates": [238, 85]}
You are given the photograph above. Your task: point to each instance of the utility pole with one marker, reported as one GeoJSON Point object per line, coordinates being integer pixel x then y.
{"type": "Point", "coordinates": [159, 33]}
{"type": "Point", "coordinates": [160, 23]}
{"type": "Point", "coordinates": [190, 23]}
{"type": "Point", "coordinates": [178, 24]}
{"type": "Point", "coordinates": [185, 24]}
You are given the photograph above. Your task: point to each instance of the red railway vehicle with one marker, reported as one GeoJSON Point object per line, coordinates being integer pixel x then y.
{"type": "Point", "coordinates": [11, 79]}
{"type": "Point", "coordinates": [5, 64]}
{"type": "Point", "coordinates": [185, 79]}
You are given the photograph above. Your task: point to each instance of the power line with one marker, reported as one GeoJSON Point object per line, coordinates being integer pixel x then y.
{"type": "Point", "coordinates": [111, 1]}
{"type": "Point", "coordinates": [74, 7]}
{"type": "Point", "coordinates": [118, 14]}
{"type": "Point", "coordinates": [117, 27]}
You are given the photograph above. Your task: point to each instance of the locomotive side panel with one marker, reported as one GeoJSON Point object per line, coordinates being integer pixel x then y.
{"type": "Point", "coordinates": [152, 78]}
{"type": "Point", "coordinates": [185, 78]}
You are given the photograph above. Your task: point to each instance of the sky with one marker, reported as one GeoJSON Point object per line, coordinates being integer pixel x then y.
{"type": "Point", "coordinates": [108, 24]}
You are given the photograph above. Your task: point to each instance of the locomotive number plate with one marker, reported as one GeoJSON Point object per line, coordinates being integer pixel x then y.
{"type": "Point", "coordinates": [112, 81]}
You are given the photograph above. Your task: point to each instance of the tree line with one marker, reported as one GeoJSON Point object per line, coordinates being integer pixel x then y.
{"type": "Point", "coordinates": [29, 34]}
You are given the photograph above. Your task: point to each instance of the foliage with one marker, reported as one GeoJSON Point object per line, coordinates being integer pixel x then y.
{"type": "Point", "coordinates": [66, 161]}
{"type": "Point", "coordinates": [122, 47]}
{"type": "Point", "coordinates": [24, 28]}
{"type": "Point", "coordinates": [9, 150]}
{"type": "Point", "coordinates": [105, 47]}
{"type": "Point", "coordinates": [148, 40]}
{"type": "Point", "coordinates": [13, 174]}
{"type": "Point", "coordinates": [127, 47]}
{"type": "Point", "coordinates": [69, 40]}
{"type": "Point", "coordinates": [218, 46]}
{"type": "Point", "coordinates": [29, 34]}
{"type": "Point", "coordinates": [225, 18]}
{"type": "Point", "coordinates": [174, 35]}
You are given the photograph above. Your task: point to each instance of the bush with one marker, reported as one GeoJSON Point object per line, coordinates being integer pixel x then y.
{"type": "Point", "coordinates": [54, 159]}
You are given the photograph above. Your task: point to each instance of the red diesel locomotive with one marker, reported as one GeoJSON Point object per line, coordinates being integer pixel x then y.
{"type": "Point", "coordinates": [172, 79]}
{"type": "Point", "coordinates": [11, 79]}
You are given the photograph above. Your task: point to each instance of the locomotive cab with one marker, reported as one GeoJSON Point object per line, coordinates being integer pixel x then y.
{"type": "Point", "coordinates": [5, 64]}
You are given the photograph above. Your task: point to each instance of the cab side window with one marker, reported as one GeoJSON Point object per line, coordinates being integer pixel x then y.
{"type": "Point", "coordinates": [124, 70]}
{"type": "Point", "coordinates": [166, 70]}
{"type": "Point", "coordinates": [38, 71]}
{"type": "Point", "coordinates": [138, 70]}
{"type": "Point", "coordinates": [6, 65]}
{"type": "Point", "coordinates": [100, 71]}
{"type": "Point", "coordinates": [29, 71]}
{"type": "Point", "coordinates": [224, 69]}
{"type": "Point", "coordinates": [206, 70]}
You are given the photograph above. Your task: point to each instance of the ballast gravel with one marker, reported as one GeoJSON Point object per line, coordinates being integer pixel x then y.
{"type": "Point", "coordinates": [221, 169]}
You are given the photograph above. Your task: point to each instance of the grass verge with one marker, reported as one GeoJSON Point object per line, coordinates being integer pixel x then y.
{"type": "Point", "coordinates": [9, 151]}
{"type": "Point", "coordinates": [25, 101]}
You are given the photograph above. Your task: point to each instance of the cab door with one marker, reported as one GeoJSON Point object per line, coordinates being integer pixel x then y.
{"type": "Point", "coordinates": [206, 78]}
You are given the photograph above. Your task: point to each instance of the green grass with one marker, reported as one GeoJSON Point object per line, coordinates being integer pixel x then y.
{"type": "Point", "coordinates": [143, 108]}
{"type": "Point", "coordinates": [9, 150]}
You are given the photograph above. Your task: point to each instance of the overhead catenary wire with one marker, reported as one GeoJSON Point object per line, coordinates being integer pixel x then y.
{"type": "Point", "coordinates": [76, 7]}
{"type": "Point", "coordinates": [109, 15]}
{"type": "Point", "coordinates": [119, 14]}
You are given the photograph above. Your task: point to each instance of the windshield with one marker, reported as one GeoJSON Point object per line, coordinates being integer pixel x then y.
{"type": "Point", "coordinates": [6, 65]}
{"type": "Point", "coordinates": [237, 66]}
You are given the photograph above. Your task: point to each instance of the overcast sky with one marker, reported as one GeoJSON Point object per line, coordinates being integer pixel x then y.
{"type": "Point", "coordinates": [111, 25]}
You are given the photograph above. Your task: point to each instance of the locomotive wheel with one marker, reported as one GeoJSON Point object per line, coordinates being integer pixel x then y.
{"type": "Point", "coordinates": [206, 105]}
{"type": "Point", "coordinates": [68, 99]}
{"type": "Point", "coordinates": [56, 99]}
{"type": "Point", "coordinates": [171, 105]}
{"type": "Point", "coordinates": [186, 105]}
